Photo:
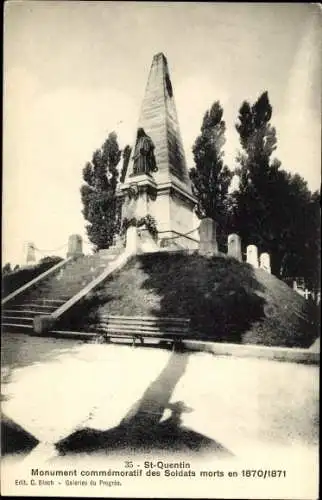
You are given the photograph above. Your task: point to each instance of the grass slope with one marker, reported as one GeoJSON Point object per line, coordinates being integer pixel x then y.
{"type": "Point", "coordinates": [227, 301]}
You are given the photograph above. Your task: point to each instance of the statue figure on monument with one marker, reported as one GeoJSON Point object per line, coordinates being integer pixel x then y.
{"type": "Point", "coordinates": [143, 158]}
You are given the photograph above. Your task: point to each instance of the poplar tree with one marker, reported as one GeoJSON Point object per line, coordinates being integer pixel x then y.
{"type": "Point", "coordinates": [98, 193]}
{"type": "Point", "coordinates": [211, 177]}
{"type": "Point", "coordinates": [258, 173]}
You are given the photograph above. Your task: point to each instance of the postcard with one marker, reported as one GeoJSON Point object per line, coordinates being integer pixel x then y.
{"type": "Point", "coordinates": [161, 242]}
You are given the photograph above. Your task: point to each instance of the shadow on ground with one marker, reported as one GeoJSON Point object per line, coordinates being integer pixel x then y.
{"type": "Point", "coordinates": [142, 430]}
{"type": "Point", "coordinates": [14, 439]}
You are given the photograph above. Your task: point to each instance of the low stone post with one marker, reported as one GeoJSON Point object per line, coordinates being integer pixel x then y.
{"type": "Point", "coordinates": [132, 240]}
{"type": "Point", "coordinates": [31, 254]}
{"type": "Point", "coordinates": [75, 246]}
{"type": "Point", "coordinates": [234, 247]}
{"type": "Point", "coordinates": [43, 324]}
{"type": "Point", "coordinates": [208, 240]}
{"type": "Point", "coordinates": [265, 262]}
{"type": "Point", "coordinates": [147, 242]}
{"type": "Point", "coordinates": [252, 255]}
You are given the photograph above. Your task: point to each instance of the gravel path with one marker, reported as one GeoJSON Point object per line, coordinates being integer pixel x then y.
{"type": "Point", "coordinates": [52, 388]}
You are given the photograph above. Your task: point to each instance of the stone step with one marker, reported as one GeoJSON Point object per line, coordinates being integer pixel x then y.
{"type": "Point", "coordinates": [53, 301]}
{"type": "Point", "coordinates": [53, 294]}
{"type": "Point", "coordinates": [22, 312]}
{"type": "Point", "coordinates": [35, 306]}
{"type": "Point", "coordinates": [17, 319]}
{"type": "Point", "coordinates": [44, 305]}
{"type": "Point", "coordinates": [151, 319]}
{"type": "Point", "coordinates": [67, 286]}
{"type": "Point", "coordinates": [109, 256]}
{"type": "Point", "coordinates": [57, 290]}
{"type": "Point", "coordinates": [78, 275]}
{"type": "Point", "coordinates": [17, 325]}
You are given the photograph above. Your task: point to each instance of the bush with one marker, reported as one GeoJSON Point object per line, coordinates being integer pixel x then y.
{"type": "Point", "coordinates": [15, 279]}
{"type": "Point", "coordinates": [51, 259]}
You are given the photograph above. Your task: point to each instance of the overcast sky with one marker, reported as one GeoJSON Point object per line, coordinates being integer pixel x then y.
{"type": "Point", "coordinates": [74, 70]}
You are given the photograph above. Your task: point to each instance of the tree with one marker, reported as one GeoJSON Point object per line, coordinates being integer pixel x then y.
{"type": "Point", "coordinates": [98, 193]}
{"type": "Point", "coordinates": [313, 255]}
{"type": "Point", "coordinates": [306, 237]}
{"type": "Point", "coordinates": [255, 169]}
{"type": "Point", "coordinates": [260, 179]}
{"type": "Point", "coordinates": [273, 209]}
{"type": "Point", "coordinates": [290, 225]}
{"type": "Point", "coordinates": [6, 268]}
{"type": "Point", "coordinates": [211, 177]}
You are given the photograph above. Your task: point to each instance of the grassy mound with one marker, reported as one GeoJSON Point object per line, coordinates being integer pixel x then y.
{"type": "Point", "coordinates": [15, 279]}
{"type": "Point", "coordinates": [227, 301]}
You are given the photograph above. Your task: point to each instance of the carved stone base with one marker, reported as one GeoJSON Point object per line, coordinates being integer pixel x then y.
{"type": "Point", "coordinates": [146, 241]}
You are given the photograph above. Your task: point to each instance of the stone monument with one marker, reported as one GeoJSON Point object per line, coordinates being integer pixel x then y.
{"type": "Point", "coordinates": [208, 238]}
{"type": "Point", "coordinates": [157, 182]}
{"type": "Point", "coordinates": [31, 254]}
{"type": "Point", "coordinates": [234, 247]}
{"type": "Point", "coordinates": [265, 262]}
{"type": "Point", "coordinates": [252, 256]}
{"type": "Point", "coordinates": [75, 246]}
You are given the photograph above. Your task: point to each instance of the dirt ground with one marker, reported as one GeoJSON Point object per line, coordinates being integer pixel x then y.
{"type": "Point", "coordinates": [113, 400]}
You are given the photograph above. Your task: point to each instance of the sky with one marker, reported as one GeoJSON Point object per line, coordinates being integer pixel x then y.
{"type": "Point", "coordinates": [75, 71]}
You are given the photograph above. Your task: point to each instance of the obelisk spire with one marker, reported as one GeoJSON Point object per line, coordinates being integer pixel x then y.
{"type": "Point", "coordinates": [158, 117]}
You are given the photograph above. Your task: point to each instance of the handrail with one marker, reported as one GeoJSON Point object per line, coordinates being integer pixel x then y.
{"type": "Point", "coordinates": [38, 278]}
{"type": "Point", "coordinates": [179, 235]}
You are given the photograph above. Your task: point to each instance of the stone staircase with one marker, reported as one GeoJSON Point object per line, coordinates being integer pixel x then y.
{"type": "Point", "coordinates": [53, 292]}
{"type": "Point", "coordinates": [21, 316]}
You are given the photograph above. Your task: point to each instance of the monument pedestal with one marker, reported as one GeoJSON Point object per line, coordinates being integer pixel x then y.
{"type": "Point", "coordinates": [140, 240]}
{"type": "Point", "coordinates": [137, 196]}
{"type": "Point", "coordinates": [146, 242]}
{"type": "Point", "coordinates": [169, 205]}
